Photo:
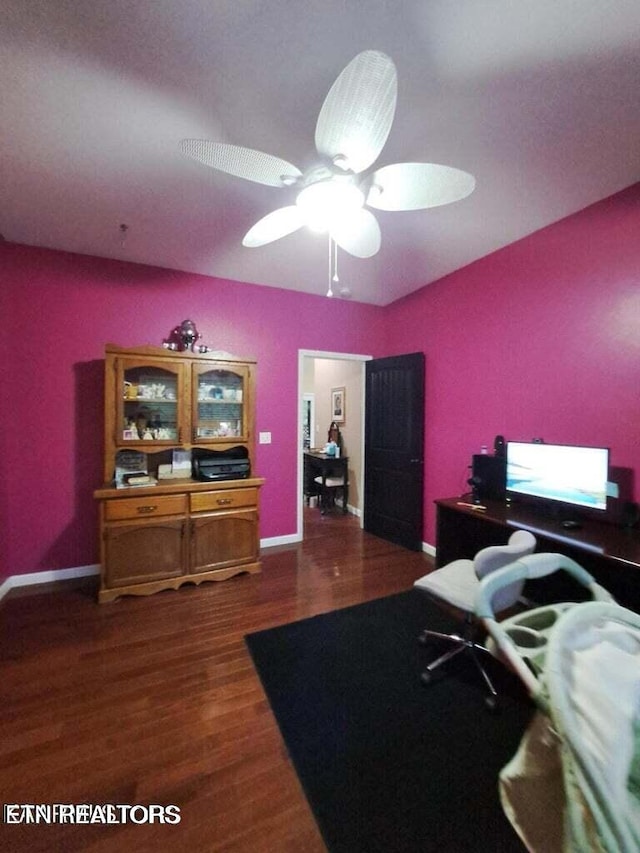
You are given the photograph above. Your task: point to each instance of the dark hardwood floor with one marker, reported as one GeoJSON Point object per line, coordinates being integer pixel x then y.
{"type": "Point", "coordinates": [155, 699]}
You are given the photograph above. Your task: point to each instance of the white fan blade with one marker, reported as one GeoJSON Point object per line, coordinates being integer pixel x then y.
{"type": "Point", "coordinates": [359, 234]}
{"type": "Point", "coordinates": [242, 162]}
{"type": "Point", "coordinates": [414, 186]}
{"type": "Point", "coordinates": [274, 225]}
{"type": "Point", "coordinates": [357, 114]}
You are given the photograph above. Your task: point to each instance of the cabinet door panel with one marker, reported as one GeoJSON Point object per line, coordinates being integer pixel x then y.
{"type": "Point", "coordinates": [221, 401]}
{"type": "Point", "coordinates": [136, 553]}
{"type": "Point", "coordinates": [150, 402]}
{"type": "Point", "coordinates": [224, 539]}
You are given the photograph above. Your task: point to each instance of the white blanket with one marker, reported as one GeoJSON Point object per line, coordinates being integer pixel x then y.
{"type": "Point", "coordinates": [601, 671]}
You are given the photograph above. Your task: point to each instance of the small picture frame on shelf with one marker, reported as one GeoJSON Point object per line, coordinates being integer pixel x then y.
{"type": "Point", "coordinates": [338, 400]}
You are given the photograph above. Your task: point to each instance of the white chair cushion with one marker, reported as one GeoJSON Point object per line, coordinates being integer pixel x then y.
{"type": "Point", "coordinates": [330, 481]}
{"type": "Point", "coordinates": [455, 583]}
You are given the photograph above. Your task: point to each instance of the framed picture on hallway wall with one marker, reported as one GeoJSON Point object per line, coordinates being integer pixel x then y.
{"type": "Point", "coordinates": [338, 396]}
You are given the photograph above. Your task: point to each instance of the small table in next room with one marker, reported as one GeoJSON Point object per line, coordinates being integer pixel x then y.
{"type": "Point", "coordinates": [317, 464]}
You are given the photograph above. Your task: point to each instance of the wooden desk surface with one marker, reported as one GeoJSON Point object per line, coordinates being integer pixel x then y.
{"type": "Point", "coordinates": [609, 552]}
{"type": "Point", "coordinates": [320, 456]}
{"type": "Point", "coordinates": [610, 540]}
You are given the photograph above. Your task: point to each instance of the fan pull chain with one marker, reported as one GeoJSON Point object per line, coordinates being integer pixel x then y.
{"type": "Point", "coordinates": [331, 278]}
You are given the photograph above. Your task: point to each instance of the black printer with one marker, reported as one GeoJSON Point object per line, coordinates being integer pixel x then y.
{"type": "Point", "coordinates": [213, 465]}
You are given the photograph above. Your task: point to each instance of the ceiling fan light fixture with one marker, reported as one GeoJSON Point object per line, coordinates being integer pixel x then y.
{"type": "Point", "coordinates": [334, 195]}
{"type": "Point", "coordinates": [341, 162]}
{"type": "Point", "coordinates": [375, 191]}
{"type": "Point", "coordinates": [323, 203]}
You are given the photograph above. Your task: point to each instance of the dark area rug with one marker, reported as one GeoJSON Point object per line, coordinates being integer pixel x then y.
{"type": "Point", "coordinates": [386, 763]}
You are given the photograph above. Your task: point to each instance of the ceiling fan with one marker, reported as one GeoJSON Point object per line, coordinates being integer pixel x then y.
{"type": "Point", "coordinates": [334, 195]}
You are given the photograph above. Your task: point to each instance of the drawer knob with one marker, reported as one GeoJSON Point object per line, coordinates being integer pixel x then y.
{"type": "Point", "coordinates": [224, 501]}
{"type": "Point", "coordinates": [147, 509]}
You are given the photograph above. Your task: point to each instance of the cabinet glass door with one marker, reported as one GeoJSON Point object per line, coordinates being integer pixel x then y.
{"type": "Point", "coordinates": [149, 405]}
{"type": "Point", "coordinates": [220, 404]}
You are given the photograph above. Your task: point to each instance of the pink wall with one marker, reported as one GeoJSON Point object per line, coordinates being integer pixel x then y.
{"type": "Point", "coordinates": [539, 339]}
{"type": "Point", "coordinates": [61, 309]}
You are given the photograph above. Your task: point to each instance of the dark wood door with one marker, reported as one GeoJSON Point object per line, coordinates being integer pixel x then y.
{"type": "Point", "coordinates": [394, 447]}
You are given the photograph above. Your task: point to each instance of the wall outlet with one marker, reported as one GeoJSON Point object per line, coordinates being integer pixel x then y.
{"type": "Point", "coordinates": [264, 438]}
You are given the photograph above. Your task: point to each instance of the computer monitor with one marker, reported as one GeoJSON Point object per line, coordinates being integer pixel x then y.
{"type": "Point", "coordinates": [569, 474]}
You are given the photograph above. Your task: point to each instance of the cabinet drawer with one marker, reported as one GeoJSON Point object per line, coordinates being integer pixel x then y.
{"type": "Point", "coordinates": [144, 507]}
{"type": "Point", "coordinates": [223, 499]}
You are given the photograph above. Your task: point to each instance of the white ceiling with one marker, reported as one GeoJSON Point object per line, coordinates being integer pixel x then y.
{"type": "Point", "coordinates": [539, 99]}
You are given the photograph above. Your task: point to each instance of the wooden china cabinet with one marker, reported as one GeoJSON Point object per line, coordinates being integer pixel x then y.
{"type": "Point", "coordinates": [177, 530]}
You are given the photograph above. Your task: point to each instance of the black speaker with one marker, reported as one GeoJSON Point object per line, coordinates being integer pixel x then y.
{"type": "Point", "coordinates": [499, 447]}
{"type": "Point", "coordinates": [490, 474]}
{"type": "Point", "coordinates": [630, 514]}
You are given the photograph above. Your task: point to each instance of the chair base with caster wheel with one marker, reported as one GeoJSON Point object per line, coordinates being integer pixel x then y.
{"type": "Point", "coordinates": [457, 584]}
{"type": "Point", "coordinates": [464, 644]}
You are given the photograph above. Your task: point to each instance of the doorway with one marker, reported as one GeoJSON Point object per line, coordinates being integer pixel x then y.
{"type": "Point", "coordinates": [331, 377]}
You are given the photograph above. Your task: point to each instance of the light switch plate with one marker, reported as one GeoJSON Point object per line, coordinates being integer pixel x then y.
{"type": "Point", "coordinates": [264, 438]}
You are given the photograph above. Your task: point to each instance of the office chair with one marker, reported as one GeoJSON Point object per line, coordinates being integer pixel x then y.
{"type": "Point", "coordinates": [456, 584]}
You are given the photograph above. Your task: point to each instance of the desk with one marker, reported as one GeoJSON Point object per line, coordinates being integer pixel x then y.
{"type": "Point", "coordinates": [610, 553]}
{"type": "Point", "coordinates": [317, 464]}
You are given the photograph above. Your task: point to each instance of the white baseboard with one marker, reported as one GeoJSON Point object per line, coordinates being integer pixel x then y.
{"type": "Point", "coordinates": [5, 586]}
{"type": "Point", "coordinates": [292, 538]}
{"type": "Point", "coordinates": [289, 539]}
{"type": "Point", "coordinates": [32, 578]}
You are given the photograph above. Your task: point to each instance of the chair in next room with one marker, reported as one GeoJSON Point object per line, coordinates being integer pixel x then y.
{"type": "Point", "coordinates": [456, 584]}
{"type": "Point", "coordinates": [334, 485]}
